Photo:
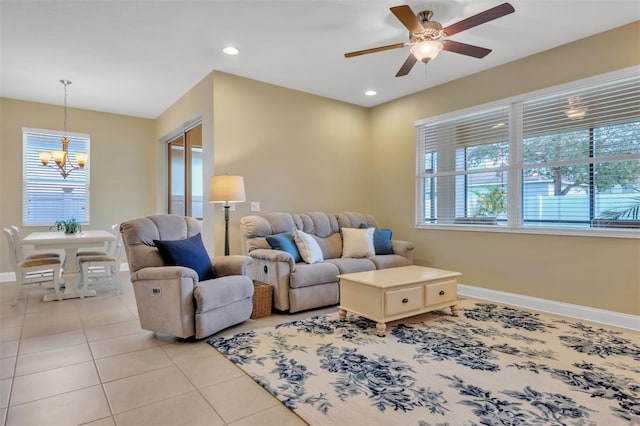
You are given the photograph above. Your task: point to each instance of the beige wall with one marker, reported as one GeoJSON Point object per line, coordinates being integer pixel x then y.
{"type": "Point", "coordinates": [598, 272]}
{"type": "Point", "coordinates": [123, 179]}
{"type": "Point", "coordinates": [297, 152]}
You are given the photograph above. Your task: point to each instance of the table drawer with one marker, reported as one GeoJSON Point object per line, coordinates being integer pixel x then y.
{"type": "Point", "coordinates": [403, 300]}
{"type": "Point", "coordinates": [441, 292]}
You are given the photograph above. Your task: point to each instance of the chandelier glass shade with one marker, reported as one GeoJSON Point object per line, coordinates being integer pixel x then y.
{"type": "Point", "coordinates": [63, 162]}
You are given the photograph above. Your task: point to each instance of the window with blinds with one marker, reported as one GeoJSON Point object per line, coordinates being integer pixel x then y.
{"type": "Point", "coordinates": [569, 159]}
{"type": "Point", "coordinates": [47, 197]}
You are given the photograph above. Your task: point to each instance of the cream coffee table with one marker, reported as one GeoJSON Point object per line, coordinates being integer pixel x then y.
{"type": "Point", "coordinates": [390, 294]}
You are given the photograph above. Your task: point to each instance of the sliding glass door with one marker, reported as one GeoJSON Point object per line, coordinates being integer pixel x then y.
{"type": "Point", "coordinates": [185, 194]}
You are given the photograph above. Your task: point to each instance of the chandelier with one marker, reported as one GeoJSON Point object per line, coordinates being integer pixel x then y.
{"type": "Point", "coordinates": [62, 159]}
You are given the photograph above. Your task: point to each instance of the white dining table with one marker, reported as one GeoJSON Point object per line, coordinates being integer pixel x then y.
{"type": "Point", "coordinates": [70, 243]}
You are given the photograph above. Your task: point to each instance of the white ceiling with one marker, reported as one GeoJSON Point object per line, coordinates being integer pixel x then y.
{"type": "Point", "coordinates": [137, 57]}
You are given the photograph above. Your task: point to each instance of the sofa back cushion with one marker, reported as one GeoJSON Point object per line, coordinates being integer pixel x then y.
{"type": "Point", "coordinates": [324, 227]}
{"type": "Point", "coordinates": [255, 228]}
{"type": "Point", "coordinates": [138, 235]}
{"type": "Point", "coordinates": [355, 220]}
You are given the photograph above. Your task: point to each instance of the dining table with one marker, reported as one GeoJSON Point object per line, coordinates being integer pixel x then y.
{"type": "Point", "coordinates": [70, 243]}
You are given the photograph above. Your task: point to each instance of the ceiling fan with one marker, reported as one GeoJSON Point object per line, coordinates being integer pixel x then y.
{"type": "Point", "coordinates": [425, 35]}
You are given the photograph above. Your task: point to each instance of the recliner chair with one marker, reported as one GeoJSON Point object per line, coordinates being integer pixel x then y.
{"type": "Point", "coordinates": [171, 299]}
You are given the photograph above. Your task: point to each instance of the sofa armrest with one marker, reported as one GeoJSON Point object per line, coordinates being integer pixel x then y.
{"type": "Point", "coordinates": [164, 273]}
{"type": "Point", "coordinates": [274, 256]}
{"type": "Point", "coordinates": [403, 248]}
{"type": "Point", "coordinates": [225, 266]}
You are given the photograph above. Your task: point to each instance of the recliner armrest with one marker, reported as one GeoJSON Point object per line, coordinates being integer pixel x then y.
{"type": "Point", "coordinates": [164, 273]}
{"type": "Point", "coordinates": [231, 265]}
{"type": "Point", "coordinates": [274, 256]}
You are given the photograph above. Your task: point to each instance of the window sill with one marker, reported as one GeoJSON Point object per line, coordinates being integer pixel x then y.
{"type": "Point", "coordinates": [574, 232]}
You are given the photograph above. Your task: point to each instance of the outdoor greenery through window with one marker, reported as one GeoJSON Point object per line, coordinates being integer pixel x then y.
{"type": "Point", "coordinates": [561, 158]}
{"type": "Point", "coordinates": [47, 197]}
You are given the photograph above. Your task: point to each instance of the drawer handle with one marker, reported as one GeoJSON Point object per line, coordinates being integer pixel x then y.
{"type": "Point", "coordinates": [266, 269]}
{"type": "Point", "coordinates": [441, 293]}
{"type": "Point", "coordinates": [405, 300]}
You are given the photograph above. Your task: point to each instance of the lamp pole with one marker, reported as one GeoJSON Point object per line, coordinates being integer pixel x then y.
{"type": "Point", "coordinates": [226, 228]}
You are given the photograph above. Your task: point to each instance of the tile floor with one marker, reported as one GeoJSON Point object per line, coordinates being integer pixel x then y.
{"type": "Point", "coordinates": [88, 362]}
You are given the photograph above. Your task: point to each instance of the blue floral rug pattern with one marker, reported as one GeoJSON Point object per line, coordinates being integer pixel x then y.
{"type": "Point", "coordinates": [492, 365]}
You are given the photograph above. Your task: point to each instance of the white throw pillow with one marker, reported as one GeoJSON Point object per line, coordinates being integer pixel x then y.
{"type": "Point", "coordinates": [308, 247]}
{"type": "Point", "coordinates": [358, 242]}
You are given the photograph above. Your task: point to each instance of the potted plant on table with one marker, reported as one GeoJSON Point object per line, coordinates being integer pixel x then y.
{"type": "Point", "coordinates": [69, 226]}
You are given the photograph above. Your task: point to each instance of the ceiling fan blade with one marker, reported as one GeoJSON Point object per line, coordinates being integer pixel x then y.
{"type": "Point", "coordinates": [408, 18]}
{"type": "Point", "coordinates": [374, 49]}
{"type": "Point", "coordinates": [480, 18]}
{"type": "Point", "coordinates": [465, 49]}
{"type": "Point", "coordinates": [406, 67]}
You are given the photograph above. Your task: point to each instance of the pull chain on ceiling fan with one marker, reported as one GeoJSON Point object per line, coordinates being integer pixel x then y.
{"type": "Point", "coordinates": [425, 35]}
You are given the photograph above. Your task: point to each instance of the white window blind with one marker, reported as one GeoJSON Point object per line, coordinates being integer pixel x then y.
{"type": "Point", "coordinates": [580, 155]}
{"type": "Point", "coordinates": [569, 159]}
{"type": "Point", "coordinates": [465, 163]}
{"type": "Point", "coordinates": [47, 197]}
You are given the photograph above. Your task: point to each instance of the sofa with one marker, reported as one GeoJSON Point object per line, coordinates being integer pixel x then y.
{"type": "Point", "coordinates": [301, 285]}
{"type": "Point", "coordinates": [200, 300]}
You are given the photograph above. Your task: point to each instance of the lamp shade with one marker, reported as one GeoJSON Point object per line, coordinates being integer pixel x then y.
{"type": "Point", "coordinates": [226, 189]}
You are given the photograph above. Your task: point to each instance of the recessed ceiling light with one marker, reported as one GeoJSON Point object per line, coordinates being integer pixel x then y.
{"type": "Point", "coordinates": [230, 50]}
{"type": "Point", "coordinates": [370, 93]}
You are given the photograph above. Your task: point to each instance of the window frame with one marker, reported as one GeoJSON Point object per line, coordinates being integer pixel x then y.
{"type": "Point", "coordinates": [516, 163]}
{"type": "Point", "coordinates": [26, 167]}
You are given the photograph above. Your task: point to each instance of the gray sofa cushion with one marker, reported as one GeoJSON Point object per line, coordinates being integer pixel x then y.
{"type": "Point", "coordinates": [349, 265]}
{"type": "Point", "coordinates": [138, 235]}
{"type": "Point", "coordinates": [384, 261]}
{"type": "Point", "coordinates": [307, 275]}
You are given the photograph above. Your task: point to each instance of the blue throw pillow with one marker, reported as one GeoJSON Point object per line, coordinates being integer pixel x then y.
{"type": "Point", "coordinates": [285, 242]}
{"type": "Point", "coordinates": [382, 241]}
{"type": "Point", "coordinates": [190, 253]}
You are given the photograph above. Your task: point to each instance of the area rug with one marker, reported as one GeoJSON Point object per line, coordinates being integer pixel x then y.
{"type": "Point", "coordinates": [491, 365]}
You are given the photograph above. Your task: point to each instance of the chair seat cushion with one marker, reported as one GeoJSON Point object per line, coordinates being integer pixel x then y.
{"type": "Point", "coordinates": [219, 292]}
{"type": "Point", "coordinates": [190, 253]}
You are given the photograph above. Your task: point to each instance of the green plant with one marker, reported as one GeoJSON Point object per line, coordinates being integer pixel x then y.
{"type": "Point", "coordinates": [69, 226]}
{"type": "Point", "coordinates": [492, 202]}
{"type": "Point", "coordinates": [630, 212]}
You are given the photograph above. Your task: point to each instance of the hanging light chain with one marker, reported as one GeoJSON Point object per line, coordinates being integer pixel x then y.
{"type": "Point", "coordinates": [65, 83]}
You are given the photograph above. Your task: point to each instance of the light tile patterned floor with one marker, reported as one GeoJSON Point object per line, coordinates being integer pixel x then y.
{"type": "Point", "coordinates": [80, 362]}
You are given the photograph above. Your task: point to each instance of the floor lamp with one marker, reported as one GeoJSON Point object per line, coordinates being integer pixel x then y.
{"type": "Point", "coordinates": [226, 189]}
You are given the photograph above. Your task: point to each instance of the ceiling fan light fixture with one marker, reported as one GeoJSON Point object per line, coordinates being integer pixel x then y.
{"type": "Point", "coordinates": [230, 50]}
{"type": "Point", "coordinates": [370, 93]}
{"type": "Point", "coordinates": [424, 51]}
{"type": "Point", "coordinates": [577, 109]}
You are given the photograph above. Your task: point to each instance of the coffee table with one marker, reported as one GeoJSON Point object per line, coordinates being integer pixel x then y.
{"type": "Point", "coordinates": [386, 295]}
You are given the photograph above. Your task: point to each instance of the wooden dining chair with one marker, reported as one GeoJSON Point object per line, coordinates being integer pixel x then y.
{"type": "Point", "coordinates": [94, 267]}
{"type": "Point", "coordinates": [30, 271]}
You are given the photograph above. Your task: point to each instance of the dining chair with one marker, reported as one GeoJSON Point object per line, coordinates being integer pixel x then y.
{"type": "Point", "coordinates": [115, 230]}
{"type": "Point", "coordinates": [98, 266]}
{"type": "Point", "coordinates": [17, 238]}
{"type": "Point", "coordinates": [25, 269]}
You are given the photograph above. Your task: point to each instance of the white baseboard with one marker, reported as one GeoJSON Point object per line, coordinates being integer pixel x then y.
{"type": "Point", "coordinates": [11, 276]}
{"type": "Point", "coordinates": [602, 316]}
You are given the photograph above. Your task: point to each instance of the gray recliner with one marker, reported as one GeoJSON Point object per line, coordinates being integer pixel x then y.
{"type": "Point", "coordinates": [170, 299]}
